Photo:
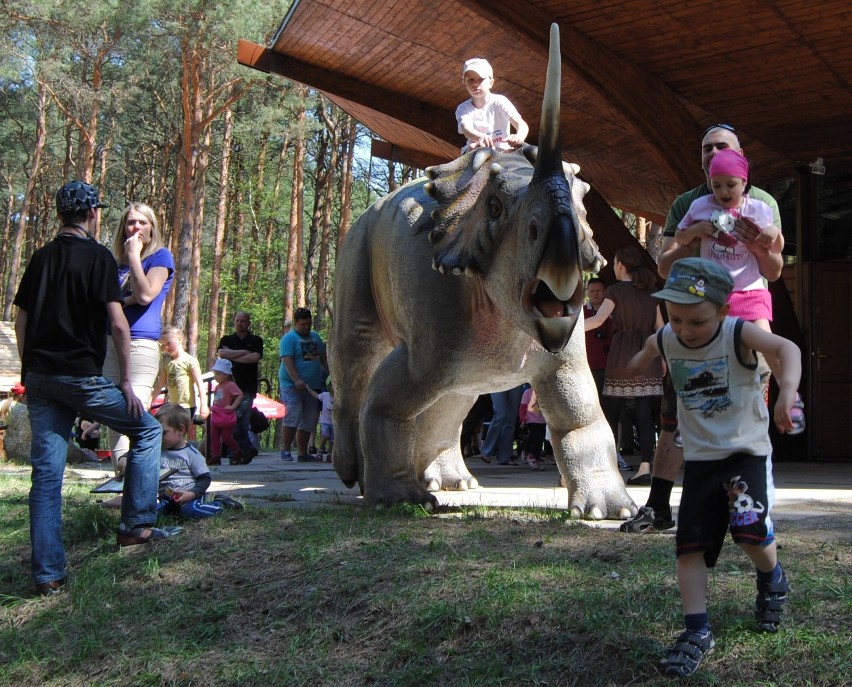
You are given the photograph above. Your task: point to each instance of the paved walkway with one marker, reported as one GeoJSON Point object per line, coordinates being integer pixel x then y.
{"type": "Point", "coordinates": [803, 490]}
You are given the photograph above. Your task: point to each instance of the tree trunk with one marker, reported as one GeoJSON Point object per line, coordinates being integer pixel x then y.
{"type": "Point", "coordinates": [326, 192]}
{"type": "Point", "coordinates": [274, 222]}
{"type": "Point", "coordinates": [102, 170]}
{"type": "Point", "coordinates": [191, 109]}
{"type": "Point", "coordinates": [293, 282]}
{"type": "Point", "coordinates": [6, 237]}
{"type": "Point", "coordinates": [256, 205]}
{"type": "Point", "coordinates": [321, 180]}
{"type": "Point", "coordinates": [346, 180]}
{"type": "Point", "coordinates": [195, 272]}
{"type": "Point", "coordinates": [642, 230]}
{"type": "Point", "coordinates": [219, 237]}
{"type": "Point", "coordinates": [655, 239]}
{"type": "Point", "coordinates": [32, 174]}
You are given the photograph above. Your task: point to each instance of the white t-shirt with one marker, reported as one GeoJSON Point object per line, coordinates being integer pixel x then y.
{"type": "Point", "coordinates": [327, 401]}
{"type": "Point", "coordinates": [492, 119]}
{"type": "Point", "coordinates": [738, 260]}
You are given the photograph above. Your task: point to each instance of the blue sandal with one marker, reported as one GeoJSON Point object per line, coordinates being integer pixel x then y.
{"type": "Point", "coordinates": [770, 602]}
{"type": "Point", "coordinates": [686, 654]}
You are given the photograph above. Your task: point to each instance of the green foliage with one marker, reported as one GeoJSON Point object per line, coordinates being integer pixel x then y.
{"type": "Point", "coordinates": [117, 71]}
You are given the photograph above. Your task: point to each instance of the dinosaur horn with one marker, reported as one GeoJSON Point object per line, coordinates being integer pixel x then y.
{"type": "Point", "coordinates": [549, 160]}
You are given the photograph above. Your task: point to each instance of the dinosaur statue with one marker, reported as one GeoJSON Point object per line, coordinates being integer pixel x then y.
{"type": "Point", "coordinates": [463, 284]}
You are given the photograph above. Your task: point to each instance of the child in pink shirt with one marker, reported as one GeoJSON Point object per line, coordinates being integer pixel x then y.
{"type": "Point", "coordinates": [223, 414]}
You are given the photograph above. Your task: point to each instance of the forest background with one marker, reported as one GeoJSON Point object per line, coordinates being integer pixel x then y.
{"type": "Point", "coordinates": [255, 180]}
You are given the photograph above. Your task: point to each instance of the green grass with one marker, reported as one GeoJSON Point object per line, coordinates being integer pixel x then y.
{"type": "Point", "coordinates": [348, 596]}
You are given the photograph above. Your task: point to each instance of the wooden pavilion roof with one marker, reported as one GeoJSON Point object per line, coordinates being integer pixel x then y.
{"type": "Point", "coordinates": [641, 80]}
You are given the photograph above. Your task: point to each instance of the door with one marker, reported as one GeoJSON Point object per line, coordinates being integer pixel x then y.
{"type": "Point", "coordinates": [831, 362]}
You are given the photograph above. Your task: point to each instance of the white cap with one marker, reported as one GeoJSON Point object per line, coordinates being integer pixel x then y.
{"type": "Point", "coordinates": [223, 366]}
{"type": "Point", "coordinates": [478, 65]}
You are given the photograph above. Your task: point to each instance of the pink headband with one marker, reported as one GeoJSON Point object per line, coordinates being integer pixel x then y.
{"type": "Point", "coordinates": [730, 163]}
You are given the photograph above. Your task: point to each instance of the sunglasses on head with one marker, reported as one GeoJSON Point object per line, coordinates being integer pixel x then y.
{"type": "Point", "coordinates": [726, 127]}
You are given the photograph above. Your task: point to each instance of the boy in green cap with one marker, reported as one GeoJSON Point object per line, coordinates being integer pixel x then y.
{"type": "Point", "coordinates": [724, 423]}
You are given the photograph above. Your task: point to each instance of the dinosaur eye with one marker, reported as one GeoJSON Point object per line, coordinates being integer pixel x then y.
{"type": "Point", "coordinates": [495, 208]}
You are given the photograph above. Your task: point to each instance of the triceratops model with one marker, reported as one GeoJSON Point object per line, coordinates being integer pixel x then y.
{"type": "Point", "coordinates": [458, 286]}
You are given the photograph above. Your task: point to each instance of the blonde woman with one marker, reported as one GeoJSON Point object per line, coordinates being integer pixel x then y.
{"type": "Point", "coordinates": [145, 270]}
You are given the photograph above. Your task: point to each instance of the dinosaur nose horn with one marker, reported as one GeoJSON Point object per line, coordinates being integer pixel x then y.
{"type": "Point", "coordinates": [549, 160]}
{"type": "Point", "coordinates": [559, 265]}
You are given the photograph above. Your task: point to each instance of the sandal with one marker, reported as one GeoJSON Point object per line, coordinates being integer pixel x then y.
{"type": "Point", "coordinates": [686, 654]}
{"type": "Point", "coordinates": [532, 461]}
{"type": "Point", "coordinates": [645, 521]}
{"type": "Point", "coordinates": [227, 502]}
{"type": "Point", "coordinates": [140, 534]}
{"type": "Point", "coordinates": [769, 604]}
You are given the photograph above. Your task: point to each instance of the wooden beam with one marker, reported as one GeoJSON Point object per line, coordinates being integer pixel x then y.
{"type": "Point", "coordinates": [406, 156]}
{"type": "Point", "coordinates": [651, 110]}
{"type": "Point", "coordinates": [413, 112]}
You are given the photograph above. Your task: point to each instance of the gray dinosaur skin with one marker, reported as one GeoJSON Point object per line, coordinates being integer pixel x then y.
{"type": "Point", "coordinates": [435, 304]}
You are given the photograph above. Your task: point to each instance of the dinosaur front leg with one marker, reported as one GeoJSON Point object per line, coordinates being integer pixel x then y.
{"type": "Point", "coordinates": [438, 453]}
{"type": "Point", "coordinates": [583, 444]}
{"type": "Point", "coordinates": [389, 433]}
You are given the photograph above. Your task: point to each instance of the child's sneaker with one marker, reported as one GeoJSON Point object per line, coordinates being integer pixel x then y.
{"type": "Point", "coordinates": [797, 415]}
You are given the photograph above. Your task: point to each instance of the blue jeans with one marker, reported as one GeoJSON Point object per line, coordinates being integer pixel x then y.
{"type": "Point", "coordinates": [53, 402]}
{"type": "Point", "coordinates": [241, 430]}
{"type": "Point", "coordinates": [501, 432]}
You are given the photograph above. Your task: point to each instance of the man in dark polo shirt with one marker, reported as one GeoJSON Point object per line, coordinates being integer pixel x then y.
{"type": "Point", "coordinates": [244, 350]}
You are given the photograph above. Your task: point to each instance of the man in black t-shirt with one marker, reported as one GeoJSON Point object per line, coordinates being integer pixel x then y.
{"type": "Point", "coordinates": [68, 295]}
{"type": "Point", "coordinates": [245, 351]}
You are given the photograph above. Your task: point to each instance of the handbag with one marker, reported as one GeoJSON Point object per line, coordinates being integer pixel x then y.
{"type": "Point", "coordinates": [222, 418]}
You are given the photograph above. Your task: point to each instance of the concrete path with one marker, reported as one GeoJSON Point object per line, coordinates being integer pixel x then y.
{"type": "Point", "coordinates": [803, 490]}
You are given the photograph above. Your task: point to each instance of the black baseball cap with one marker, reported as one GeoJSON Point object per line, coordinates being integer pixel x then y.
{"type": "Point", "coordinates": [77, 196]}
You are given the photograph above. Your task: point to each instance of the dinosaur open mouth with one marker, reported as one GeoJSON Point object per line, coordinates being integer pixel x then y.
{"type": "Point", "coordinates": [555, 319]}
{"type": "Point", "coordinates": [542, 302]}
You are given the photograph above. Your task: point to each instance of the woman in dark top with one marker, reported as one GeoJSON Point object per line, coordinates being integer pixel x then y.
{"type": "Point", "coordinates": [635, 316]}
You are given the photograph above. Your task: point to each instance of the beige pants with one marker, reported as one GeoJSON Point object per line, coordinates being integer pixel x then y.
{"type": "Point", "coordinates": [144, 369]}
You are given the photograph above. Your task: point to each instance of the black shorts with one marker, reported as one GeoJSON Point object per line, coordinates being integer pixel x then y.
{"type": "Point", "coordinates": [735, 493]}
{"type": "Point", "coordinates": [668, 407]}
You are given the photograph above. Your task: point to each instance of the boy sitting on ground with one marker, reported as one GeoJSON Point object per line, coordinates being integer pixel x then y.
{"type": "Point", "coordinates": [183, 492]}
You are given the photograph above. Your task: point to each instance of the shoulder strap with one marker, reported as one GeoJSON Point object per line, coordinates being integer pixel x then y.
{"type": "Point", "coordinates": [738, 332]}
{"type": "Point", "coordinates": [660, 344]}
